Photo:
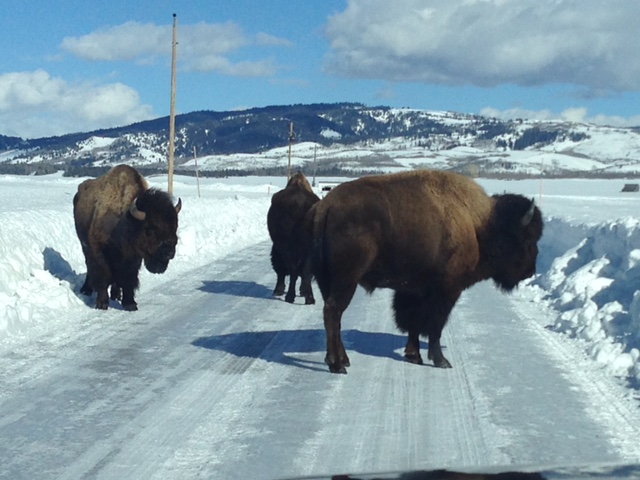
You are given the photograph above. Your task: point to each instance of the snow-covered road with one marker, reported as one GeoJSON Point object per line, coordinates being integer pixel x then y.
{"type": "Point", "coordinates": [213, 378]}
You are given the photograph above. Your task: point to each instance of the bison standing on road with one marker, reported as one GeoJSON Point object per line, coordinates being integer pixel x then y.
{"type": "Point", "coordinates": [291, 242]}
{"type": "Point", "coordinates": [120, 222]}
{"type": "Point", "coordinates": [428, 235]}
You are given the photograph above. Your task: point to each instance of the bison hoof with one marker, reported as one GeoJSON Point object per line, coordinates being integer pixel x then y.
{"type": "Point", "coordinates": [336, 367]}
{"type": "Point", "coordinates": [310, 301]}
{"type": "Point", "coordinates": [102, 305]}
{"type": "Point", "coordinates": [444, 363]}
{"type": "Point", "coordinates": [130, 307]}
{"type": "Point", "coordinates": [441, 362]}
{"type": "Point", "coordinates": [289, 299]}
{"type": "Point", "coordinates": [278, 292]}
{"type": "Point", "coordinates": [414, 358]}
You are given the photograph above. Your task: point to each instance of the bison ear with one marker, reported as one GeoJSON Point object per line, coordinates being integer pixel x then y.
{"type": "Point", "coordinates": [135, 213]}
{"type": "Point", "coordinates": [526, 219]}
{"type": "Point", "coordinates": [179, 205]}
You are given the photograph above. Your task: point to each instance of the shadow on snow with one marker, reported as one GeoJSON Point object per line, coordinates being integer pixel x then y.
{"type": "Point", "coordinates": [282, 346]}
{"type": "Point", "coordinates": [236, 288]}
{"type": "Point", "coordinates": [56, 265]}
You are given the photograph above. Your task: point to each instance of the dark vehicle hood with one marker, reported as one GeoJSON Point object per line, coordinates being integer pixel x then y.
{"type": "Point", "coordinates": [512, 472]}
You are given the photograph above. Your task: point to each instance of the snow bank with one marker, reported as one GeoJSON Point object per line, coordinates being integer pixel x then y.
{"type": "Point", "coordinates": [42, 266]}
{"type": "Point", "coordinates": [591, 276]}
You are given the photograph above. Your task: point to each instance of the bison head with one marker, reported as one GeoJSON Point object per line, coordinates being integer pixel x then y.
{"type": "Point", "coordinates": [157, 219]}
{"type": "Point", "coordinates": [512, 239]}
{"type": "Point", "coordinates": [299, 181]}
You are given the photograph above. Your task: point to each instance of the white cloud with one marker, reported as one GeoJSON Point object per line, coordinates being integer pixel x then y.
{"type": "Point", "coordinates": [201, 47]}
{"type": "Point", "coordinates": [35, 104]}
{"type": "Point", "coordinates": [128, 41]}
{"type": "Point", "coordinates": [577, 114]}
{"type": "Point", "coordinates": [489, 42]}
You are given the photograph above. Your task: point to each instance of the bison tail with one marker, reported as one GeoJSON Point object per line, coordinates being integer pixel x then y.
{"type": "Point", "coordinates": [320, 253]}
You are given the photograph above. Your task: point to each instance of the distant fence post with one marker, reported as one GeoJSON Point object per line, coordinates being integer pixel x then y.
{"type": "Point", "coordinates": [292, 137]}
{"type": "Point", "coordinates": [195, 159]}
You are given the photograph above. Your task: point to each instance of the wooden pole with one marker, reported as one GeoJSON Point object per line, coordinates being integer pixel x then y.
{"type": "Point", "coordinates": [195, 159]}
{"type": "Point", "coordinates": [315, 165]}
{"type": "Point", "coordinates": [172, 116]}
{"type": "Point", "coordinates": [291, 139]}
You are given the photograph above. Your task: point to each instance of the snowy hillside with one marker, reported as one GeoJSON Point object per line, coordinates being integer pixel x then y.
{"type": "Point", "coordinates": [341, 139]}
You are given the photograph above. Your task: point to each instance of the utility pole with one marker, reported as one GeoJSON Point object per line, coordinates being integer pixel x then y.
{"type": "Point", "coordinates": [195, 160]}
{"type": "Point", "coordinates": [315, 165]}
{"type": "Point", "coordinates": [172, 116]}
{"type": "Point", "coordinates": [292, 137]}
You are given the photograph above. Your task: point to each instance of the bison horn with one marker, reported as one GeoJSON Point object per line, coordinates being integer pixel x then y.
{"type": "Point", "coordinates": [179, 205]}
{"type": "Point", "coordinates": [135, 213]}
{"type": "Point", "coordinates": [526, 219]}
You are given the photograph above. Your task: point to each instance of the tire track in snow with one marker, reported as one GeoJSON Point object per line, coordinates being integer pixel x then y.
{"type": "Point", "coordinates": [607, 402]}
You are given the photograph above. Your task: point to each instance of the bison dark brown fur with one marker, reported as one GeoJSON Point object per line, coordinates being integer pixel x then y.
{"type": "Point", "coordinates": [428, 235]}
{"type": "Point", "coordinates": [291, 242]}
{"type": "Point", "coordinates": [120, 223]}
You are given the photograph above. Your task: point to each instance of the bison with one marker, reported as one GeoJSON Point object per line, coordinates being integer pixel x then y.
{"type": "Point", "coordinates": [120, 222]}
{"type": "Point", "coordinates": [291, 242]}
{"type": "Point", "coordinates": [428, 235]}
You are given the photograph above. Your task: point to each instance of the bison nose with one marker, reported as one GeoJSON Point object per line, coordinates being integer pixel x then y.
{"type": "Point", "coordinates": [167, 251]}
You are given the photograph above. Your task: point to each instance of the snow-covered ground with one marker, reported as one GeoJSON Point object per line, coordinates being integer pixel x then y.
{"type": "Point", "coordinates": [588, 269]}
{"type": "Point", "coordinates": [589, 264]}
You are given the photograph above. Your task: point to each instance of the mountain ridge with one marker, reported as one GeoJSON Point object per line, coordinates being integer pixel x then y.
{"type": "Point", "coordinates": [399, 138]}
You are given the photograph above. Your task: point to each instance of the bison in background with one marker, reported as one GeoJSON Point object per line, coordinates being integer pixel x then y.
{"type": "Point", "coordinates": [428, 235]}
{"type": "Point", "coordinates": [291, 242]}
{"type": "Point", "coordinates": [121, 222]}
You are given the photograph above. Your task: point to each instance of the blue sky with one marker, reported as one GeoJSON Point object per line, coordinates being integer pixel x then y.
{"type": "Point", "coordinates": [81, 65]}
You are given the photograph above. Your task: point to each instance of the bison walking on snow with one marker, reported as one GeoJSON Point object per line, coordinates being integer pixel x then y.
{"type": "Point", "coordinates": [428, 235]}
{"type": "Point", "coordinates": [291, 243]}
{"type": "Point", "coordinates": [121, 222]}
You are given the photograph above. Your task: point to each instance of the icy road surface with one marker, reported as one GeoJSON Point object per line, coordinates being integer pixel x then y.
{"type": "Point", "coordinates": [213, 378]}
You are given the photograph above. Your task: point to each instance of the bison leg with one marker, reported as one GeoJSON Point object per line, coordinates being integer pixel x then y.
{"type": "Point", "coordinates": [280, 269]}
{"type": "Point", "coordinates": [128, 302]}
{"type": "Point", "coordinates": [427, 315]}
{"type": "Point", "coordinates": [412, 350]}
{"type": "Point", "coordinates": [441, 307]}
{"type": "Point", "coordinates": [436, 355]}
{"type": "Point", "coordinates": [291, 293]}
{"type": "Point", "coordinates": [410, 316]}
{"type": "Point", "coordinates": [336, 357]}
{"type": "Point", "coordinates": [305, 286]}
{"type": "Point", "coordinates": [334, 306]}
{"type": "Point", "coordinates": [116, 292]}
{"type": "Point", "coordinates": [102, 301]}
{"type": "Point", "coordinates": [86, 287]}
{"type": "Point", "coordinates": [279, 290]}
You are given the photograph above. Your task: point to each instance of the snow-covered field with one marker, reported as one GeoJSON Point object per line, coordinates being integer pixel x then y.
{"type": "Point", "coordinates": [589, 264]}
{"type": "Point", "coordinates": [588, 268]}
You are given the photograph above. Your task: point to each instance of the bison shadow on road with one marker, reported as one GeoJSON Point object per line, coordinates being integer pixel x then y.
{"type": "Point", "coordinates": [289, 347]}
{"type": "Point", "coordinates": [236, 288]}
{"type": "Point", "coordinates": [56, 265]}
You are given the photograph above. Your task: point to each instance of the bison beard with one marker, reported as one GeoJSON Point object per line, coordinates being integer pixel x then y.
{"type": "Point", "coordinates": [428, 235]}
{"type": "Point", "coordinates": [120, 223]}
{"type": "Point", "coordinates": [291, 243]}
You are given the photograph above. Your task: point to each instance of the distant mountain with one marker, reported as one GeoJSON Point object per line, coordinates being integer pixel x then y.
{"type": "Point", "coordinates": [341, 138]}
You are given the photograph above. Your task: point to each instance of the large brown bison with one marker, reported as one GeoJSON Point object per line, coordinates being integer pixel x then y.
{"type": "Point", "coordinates": [428, 235]}
{"type": "Point", "coordinates": [120, 222]}
{"type": "Point", "coordinates": [291, 242]}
